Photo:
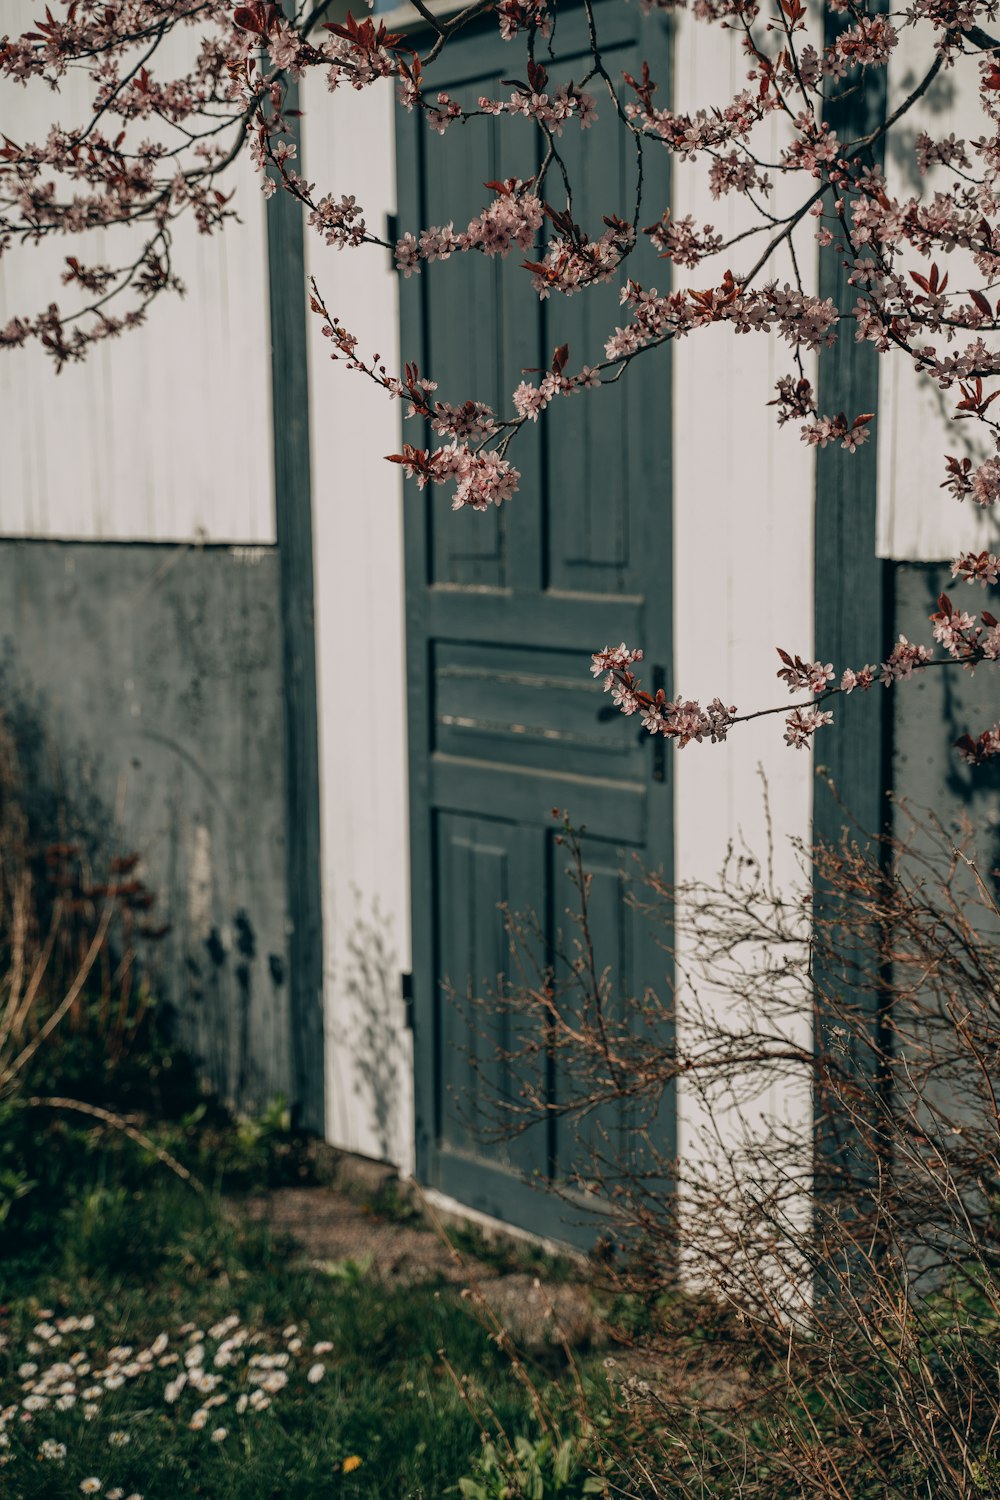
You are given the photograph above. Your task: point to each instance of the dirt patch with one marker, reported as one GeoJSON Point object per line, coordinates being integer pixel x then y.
{"type": "Point", "coordinates": [337, 1232]}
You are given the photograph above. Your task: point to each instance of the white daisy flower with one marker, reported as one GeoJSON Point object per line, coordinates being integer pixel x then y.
{"type": "Point", "coordinates": [91, 1486]}
{"type": "Point", "coordinates": [220, 1434]}
{"type": "Point", "coordinates": [316, 1373]}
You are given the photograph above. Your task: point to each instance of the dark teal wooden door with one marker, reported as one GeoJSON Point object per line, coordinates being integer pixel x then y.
{"type": "Point", "coordinates": [504, 609]}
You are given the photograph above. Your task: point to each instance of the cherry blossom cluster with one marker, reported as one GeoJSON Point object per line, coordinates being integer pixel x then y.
{"type": "Point", "coordinates": [804, 321]}
{"type": "Point", "coordinates": [481, 477]}
{"type": "Point", "coordinates": [511, 221]}
{"type": "Point", "coordinates": [963, 637]}
{"type": "Point", "coordinates": [679, 240]}
{"type": "Point", "coordinates": [977, 567]}
{"type": "Point", "coordinates": [682, 720]}
{"type": "Point", "coordinates": [838, 429]}
{"type": "Point", "coordinates": [984, 747]}
{"type": "Point", "coordinates": [981, 484]}
{"type": "Point", "coordinates": [573, 261]}
{"type": "Point", "coordinates": [550, 109]}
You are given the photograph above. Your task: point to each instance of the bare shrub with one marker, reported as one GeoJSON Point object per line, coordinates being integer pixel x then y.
{"type": "Point", "coordinates": [802, 1311]}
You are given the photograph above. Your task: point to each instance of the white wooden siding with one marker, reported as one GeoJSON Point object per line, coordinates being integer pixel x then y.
{"type": "Point", "coordinates": [165, 433]}
{"type": "Point", "coordinates": [348, 147]}
{"type": "Point", "coordinates": [917, 520]}
{"type": "Point", "coordinates": [743, 566]}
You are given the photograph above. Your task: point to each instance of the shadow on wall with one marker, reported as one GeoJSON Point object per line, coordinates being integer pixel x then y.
{"type": "Point", "coordinates": [143, 686]}
{"type": "Point", "coordinates": [936, 708]}
{"type": "Point", "coordinates": [369, 1039]}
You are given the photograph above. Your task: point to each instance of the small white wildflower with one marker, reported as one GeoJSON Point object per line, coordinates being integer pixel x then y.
{"type": "Point", "coordinates": [35, 1403]}
{"type": "Point", "coordinates": [220, 1434]}
{"type": "Point", "coordinates": [220, 1329]}
{"type": "Point", "coordinates": [195, 1355]}
{"type": "Point", "coordinates": [199, 1419]}
{"type": "Point", "coordinates": [290, 1331]}
{"type": "Point", "coordinates": [87, 1323]}
{"type": "Point", "coordinates": [93, 1393]}
{"type": "Point", "coordinates": [316, 1373]}
{"type": "Point", "coordinates": [242, 1402]}
{"type": "Point", "coordinates": [53, 1451]}
{"type": "Point", "coordinates": [119, 1439]}
{"type": "Point", "coordinates": [294, 1346]}
{"type": "Point", "coordinates": [66, 1402]}
{"type": "Point", "coordinates": [90, 1411]}
{"type": "Point", "coordinates": [113, 1382]}
{"type": "Point", "coordinates": [26, 1370]}
{"type": "Point", "coordinates": [323, 1347]}
{"type": "Point", "coordinates": [91, 1486]}
{"type": "Point", "coordinates": [159, 1344]}
{"type": "Point", "coordinates": [116, 1494]}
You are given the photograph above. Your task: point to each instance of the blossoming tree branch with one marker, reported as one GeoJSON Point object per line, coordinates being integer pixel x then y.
{"type": "Point", "coordinates": [157, 140]}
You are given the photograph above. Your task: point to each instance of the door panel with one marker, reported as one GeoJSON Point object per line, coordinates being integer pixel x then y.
{"type": "Point", "coordinates": [503, 611]}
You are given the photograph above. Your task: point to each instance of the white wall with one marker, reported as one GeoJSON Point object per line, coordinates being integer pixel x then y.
{"type": "Point", "coordinates": [348, 147]}
{"type": "Point", "coordinates": [163, 434]}
{"type": "Point", "coordinates": [917, 520]}
{"type": "Point", "coordinates": [743, 568]}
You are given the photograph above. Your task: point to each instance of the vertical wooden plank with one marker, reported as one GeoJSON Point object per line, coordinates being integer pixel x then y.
{"type": "Point", "coordinates": [852, 585]}
{"type": "Point", "coordinates": [293, 521]}
{"type": "Point", "coordinates": [743, 582]}
{"type": "Point", "coordinates": [358, 566]}
{"type": "Point", "coordinates": [853, 623]}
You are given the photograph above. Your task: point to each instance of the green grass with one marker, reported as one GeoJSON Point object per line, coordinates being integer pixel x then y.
{"type": "Point", "coordinates": [129, 1245]}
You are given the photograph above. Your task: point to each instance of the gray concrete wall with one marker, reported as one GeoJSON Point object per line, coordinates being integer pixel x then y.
{"type": "Point", "coordinates": [144, 684]}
